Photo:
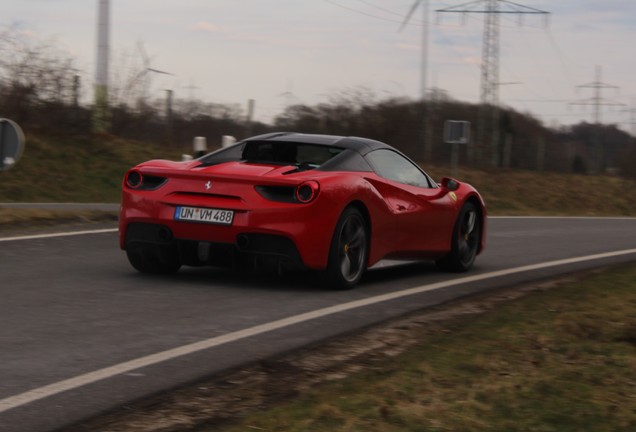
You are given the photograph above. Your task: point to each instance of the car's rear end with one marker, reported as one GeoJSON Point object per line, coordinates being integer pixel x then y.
{"type": "Point", "coordinates": [225, 214]}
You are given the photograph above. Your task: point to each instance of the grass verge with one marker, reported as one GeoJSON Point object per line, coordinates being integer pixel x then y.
{"type": "Point", "coordinates": [558, 360]}
{"type": "Point", "coordinates": [90, 169]}
{"type": "Point", "coordinates": [75, 169]}
{"type": "Point", "coordinates": [14, 221]}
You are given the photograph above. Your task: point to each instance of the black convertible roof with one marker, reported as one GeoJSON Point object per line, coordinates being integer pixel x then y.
{"type": "Point", "coordinates": [352, 159]}
{"type": "Point", "coordinates": [361, 145]}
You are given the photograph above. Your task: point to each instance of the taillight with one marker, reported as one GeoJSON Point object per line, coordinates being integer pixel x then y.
{"type": "Point", "coordinates": [307, 192]}
{"type": "Point", "coordinates": [134, 179]}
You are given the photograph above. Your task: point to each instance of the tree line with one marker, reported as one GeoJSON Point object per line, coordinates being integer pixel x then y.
{"type": "Point", "coordinates": [41, 89]}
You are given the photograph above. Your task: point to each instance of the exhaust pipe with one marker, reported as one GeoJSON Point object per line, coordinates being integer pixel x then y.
{"type": "Point", "coordinates": [164, 234]}
{"type": "Point", "coordinates": [242, 241]}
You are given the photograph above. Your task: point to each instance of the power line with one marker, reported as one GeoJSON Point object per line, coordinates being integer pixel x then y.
{"type": "Point", "coordinates": [360, 12]}
{"type": "Point", "coordinates": [380, 8]}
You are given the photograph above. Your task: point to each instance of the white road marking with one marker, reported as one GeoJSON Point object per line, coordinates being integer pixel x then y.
{"type": "Point", "coordinates": [126, 367]}
{"type": "Point", "coordinates": [567, 217]}
{"type": "Point", "coordinates": [61, 234]}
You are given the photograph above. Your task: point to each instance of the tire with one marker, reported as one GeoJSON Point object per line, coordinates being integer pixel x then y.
{"type": "Point", "coordinates": [465, 240]}
{"type": "Point", "coordinates": [349, 250]}
{"type": "Point", "coordinates": [154, 259]}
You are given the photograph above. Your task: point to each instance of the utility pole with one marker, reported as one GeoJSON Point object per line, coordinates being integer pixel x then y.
{"type": "Point", "coordinates": [169, 117]}
{"type": "Point", "coordinates": [489, 88]}
{"type": "Point", "coordinates": [100, 112]}
{"type": "Point", "coordinates": [249, 119]}
{"type": "Point", "coordinates": [632, 123]}
{"type": "Point", "coordinates": [598, 102]}
{"type": "Point", "coordinates": [76, 91]}
{"type": "Point", "coordinates": [425, 130]}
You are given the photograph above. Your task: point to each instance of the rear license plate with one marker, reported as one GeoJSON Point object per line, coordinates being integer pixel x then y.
{"type": "Point", "coordinates": [204, 215]}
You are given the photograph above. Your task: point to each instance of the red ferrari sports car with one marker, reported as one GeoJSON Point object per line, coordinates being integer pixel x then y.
{"type": "Point", "coordinates": [297, 201]}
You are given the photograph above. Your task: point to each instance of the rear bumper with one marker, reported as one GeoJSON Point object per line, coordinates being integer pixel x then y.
{"type": "Point", "coordinates": [251, 250]}
{"type": "Point", "coordinates": [294, 233]}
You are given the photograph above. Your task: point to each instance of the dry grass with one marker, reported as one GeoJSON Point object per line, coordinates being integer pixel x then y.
{"type": "Point", "coordinates": [541, 193]}
{"type": "Point", "coordinates": [91, 169]}
{"type": "Point", "coordinates": [63, 169]}
{"type": "Point", "coordinates": [561, 360]}
{"type": "Point", "coordinates": [13, 221]}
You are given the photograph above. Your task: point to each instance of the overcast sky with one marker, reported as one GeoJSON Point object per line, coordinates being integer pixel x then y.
{"type": "Point", "coordinates": [279, 52]}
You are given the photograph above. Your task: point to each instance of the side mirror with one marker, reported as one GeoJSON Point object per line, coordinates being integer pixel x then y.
{"type": "Point", "coordinates": [450, 184]}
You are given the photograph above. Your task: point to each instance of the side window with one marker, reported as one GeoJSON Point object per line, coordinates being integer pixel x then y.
{"type": "Point", "coordinates": [394, 166]}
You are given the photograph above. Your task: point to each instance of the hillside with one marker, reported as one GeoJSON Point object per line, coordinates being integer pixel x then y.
{"type": "Point", "coordinates": [67, 169]}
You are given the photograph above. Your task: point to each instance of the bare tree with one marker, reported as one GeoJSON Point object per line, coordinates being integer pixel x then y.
{"type": "Point", "coordinates": [33, 73]}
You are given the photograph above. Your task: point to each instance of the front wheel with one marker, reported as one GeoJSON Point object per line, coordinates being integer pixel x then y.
{"type": "Point", "coordinates": [465, 240]}
{"type": "Point", "coordinates": [349, 250]}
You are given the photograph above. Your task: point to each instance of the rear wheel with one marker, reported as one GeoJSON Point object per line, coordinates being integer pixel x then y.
{"type": "Point", "coordinates": [156, 259]}
{"type": "Point", "coordinates": [349, 250]}
{"type": "Point", "coordinates": [465, 240]}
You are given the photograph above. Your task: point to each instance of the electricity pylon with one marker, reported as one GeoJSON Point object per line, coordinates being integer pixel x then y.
{"type": "Point", "coordinates": [597, 101]}
{"type": "Point", "coordinates": [492, 10]}
{"type": "Point", "coordinates": [632, 117]}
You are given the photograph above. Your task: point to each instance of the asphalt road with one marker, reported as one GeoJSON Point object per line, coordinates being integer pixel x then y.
{"type": "Point", "coordinates": [82, 332]}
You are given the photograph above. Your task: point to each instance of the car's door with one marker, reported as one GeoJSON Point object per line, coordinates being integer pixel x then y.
{"type": "Point", "coordinates": [424, 214]}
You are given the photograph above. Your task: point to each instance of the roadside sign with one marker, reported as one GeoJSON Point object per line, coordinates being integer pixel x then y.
{"type": "Point", "coordinates": [456, 132]}
{"type": "Point", "coordinates": [11, 143]}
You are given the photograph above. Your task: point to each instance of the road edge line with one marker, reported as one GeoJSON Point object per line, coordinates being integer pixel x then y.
{"type": "Point", "coordinates": [33, 395]}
